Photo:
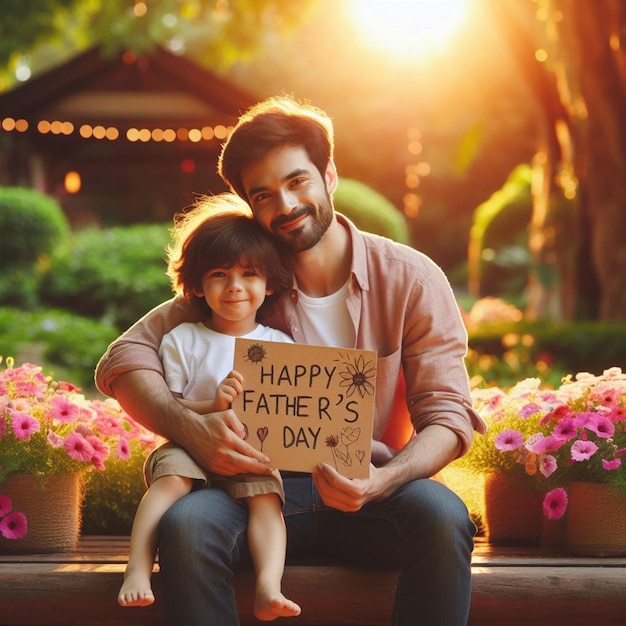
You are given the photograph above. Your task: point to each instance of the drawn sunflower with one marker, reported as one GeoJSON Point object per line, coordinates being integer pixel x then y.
{"type": "Point", "coordinates": [256, 353]}
{"type": "Point", "coordinates": [356, 376]}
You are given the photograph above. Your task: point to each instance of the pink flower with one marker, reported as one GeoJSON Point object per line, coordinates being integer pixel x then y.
{"type": "Point", "coordinates": [55, 440]}
{"type": "Point", "coordinates": [63, 409]}
{"type": "Point", "coordinates": [547, 465]}
{"type": "Point", "coordinates": [543, 445]}
{"type": "Point", "coordinates": [5, 504]}
{"type": "Point", "coordinates": [78, 447]}
{"type": "Point", "coordinates": [23, 425]}
{"type": "Point", "coordinates": [566, 429]}
{"type": "Point", "coordinates": [101, 452]}
{"type": "Point", "coordinates": [509, 440]}
{"type": "Point", "coordinates": [583, 450]}
{"type": "Point", "coordinates": [13, 526]}
{"type": "Point", "coordinates": [555, 503]}
{"type": "Point", "coordinates": [529, 409]}
{"type": "Point", "coordinates": [611, 465]}
{"type": "Point", "coordinates": [601, 426]}
{"type": "Point", "coordinates": [123, 449]}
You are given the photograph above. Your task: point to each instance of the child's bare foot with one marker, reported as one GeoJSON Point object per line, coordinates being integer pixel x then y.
{"type": "Point", "coordinates": [268, 607]}
{"type": "Point", "coordinates": [136, 591]}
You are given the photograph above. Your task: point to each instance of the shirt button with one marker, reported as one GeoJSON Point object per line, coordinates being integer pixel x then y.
{"type": "Point", "coordinates": [295, 329]}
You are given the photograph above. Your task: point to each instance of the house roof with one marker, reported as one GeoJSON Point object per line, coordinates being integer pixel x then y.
{"type": "Point", "coordinates": [155, 90]}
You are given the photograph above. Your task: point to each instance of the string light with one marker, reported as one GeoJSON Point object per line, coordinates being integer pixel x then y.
{"type": "Point", "coordinates": [111, 133]}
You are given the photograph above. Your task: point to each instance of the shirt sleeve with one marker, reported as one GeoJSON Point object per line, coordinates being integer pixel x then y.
{"type": "Point", "coordinates": [138, 347]}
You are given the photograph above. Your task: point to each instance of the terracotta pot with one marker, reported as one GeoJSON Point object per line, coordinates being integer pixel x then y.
{"type": "Point", "coordinates": [52, 505]}
{"type": "Point", "coordinates": [513, 510]}
{"type": "Point", "coordinates": [595, 520]}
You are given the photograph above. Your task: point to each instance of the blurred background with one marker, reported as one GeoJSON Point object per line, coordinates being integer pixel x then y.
{"type": "Point", "coordinates": [490, 134]}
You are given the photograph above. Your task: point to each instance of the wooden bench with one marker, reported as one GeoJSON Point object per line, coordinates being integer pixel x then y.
{"type": "Point", "coordinates": [511, 587]}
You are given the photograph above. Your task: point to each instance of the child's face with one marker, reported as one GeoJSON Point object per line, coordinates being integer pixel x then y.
{"type": "Point", "coordinates": [234, 295]}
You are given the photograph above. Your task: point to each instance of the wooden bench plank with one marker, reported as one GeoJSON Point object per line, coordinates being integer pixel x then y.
{"type": "Point", "coordinates": [511, 587]}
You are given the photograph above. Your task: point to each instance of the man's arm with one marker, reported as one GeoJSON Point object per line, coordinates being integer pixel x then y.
{"type": "Point", "coordinates": [215, 440]}
{"type": "Point", "coordinates": [138, 347]}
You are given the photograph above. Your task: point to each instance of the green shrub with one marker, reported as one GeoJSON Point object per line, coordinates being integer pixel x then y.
{"type": "Point", "coordinates": [370, 211]}
{"type": "Point", "coordinates": [117, 274]}
{"type": "Point", "coordinates": [112, 496]}
{"type": "Point", "coordinates": [507, 352]}
{"type": "Point", "coordinates": [66, 343]}
{"type": "Point", "coordinates": [32, 224]}
{"type": "Point", "coordinates": [499, 258]}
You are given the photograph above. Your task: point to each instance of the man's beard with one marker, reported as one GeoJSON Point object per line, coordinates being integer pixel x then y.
{"type": "Point", "coordinates": [301, 239]}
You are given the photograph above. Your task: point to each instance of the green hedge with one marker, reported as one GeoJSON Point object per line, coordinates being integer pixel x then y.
{"type": "Point", "coordinates": [64, 342]}
{"type": "Point", "coordinates": [32, 225]}
{"type": "Point", "coordinates": [117, 274]}
{"type": "Point", "coordinates": [505, 353]}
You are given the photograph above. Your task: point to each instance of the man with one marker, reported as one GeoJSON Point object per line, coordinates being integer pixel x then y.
{"type": "Point", "coordinates": [350, 289]}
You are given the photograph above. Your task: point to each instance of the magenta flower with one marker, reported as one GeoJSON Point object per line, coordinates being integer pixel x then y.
{"type": "Point", "coordinates": [123, 449]}
{"type": "Point", "coordinates": [24, 425]}
{"type": "Point", "coordinates": [555, 503]}
{"type": "Point", "coordinates": [611, 465]}
{"type": "Point", "coordinates": [101, 452]}
{"type": "Point", "coordinates": [601, 426]}
{"type": "Point", "coordinates": [63, 409]}
{"type": "Point", "coordinates": [566, 429]}
{"type": "Point", "coordinates": [5, 504]}
{"type": "Point", "coordinates": [13, 526]}
{"type": "Point", "coordinates": [583, 450]}
{"type": "Point", "coordinates": [78, 447]}
{"type": "Point", "coordinates": [509, 440]}
{"type": "Point", "coordinates": [543, 445]}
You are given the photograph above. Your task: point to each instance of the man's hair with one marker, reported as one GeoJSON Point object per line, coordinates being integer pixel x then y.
{"type": "Point", "coordinates": [220, 232]}
{"type": "Point", "coordinates": [275, 122]}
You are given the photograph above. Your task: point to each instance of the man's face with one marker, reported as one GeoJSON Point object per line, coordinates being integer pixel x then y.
{"type": "Point", "coordinates": [289, 197]}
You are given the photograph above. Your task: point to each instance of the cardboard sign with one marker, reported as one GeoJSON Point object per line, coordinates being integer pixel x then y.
{"type": "Point", "coordinates": [303, 405]}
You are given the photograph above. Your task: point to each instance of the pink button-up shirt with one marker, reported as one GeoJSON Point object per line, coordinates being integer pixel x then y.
{"type": "Point", "coordinates": [401, 305]}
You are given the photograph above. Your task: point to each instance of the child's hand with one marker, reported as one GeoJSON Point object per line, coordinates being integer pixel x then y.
{"type": "Point", "coordinates": [228, 390]}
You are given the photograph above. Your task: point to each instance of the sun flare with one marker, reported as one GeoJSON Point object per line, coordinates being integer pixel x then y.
{"type": "Point", "coordinates": [409, 28]}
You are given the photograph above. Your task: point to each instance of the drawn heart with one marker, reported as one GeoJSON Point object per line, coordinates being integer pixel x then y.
{"type": "Point", "coordinates": [261, 433]}
{"type": "Point", "coordinates": [360, 455]}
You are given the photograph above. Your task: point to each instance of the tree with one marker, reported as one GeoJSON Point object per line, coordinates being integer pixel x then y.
{"type": "Point", "coordinates": [218, 31]}
{"type": "Point", "coordinates": [576, 65]}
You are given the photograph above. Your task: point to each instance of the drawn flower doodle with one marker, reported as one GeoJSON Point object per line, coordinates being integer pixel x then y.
{"type": "Point", "coordinates": [357, 375]}
{"type": "Point", "coordinates": [256, 353]}
{"type": "Point", "coordinates": [332, 441]}
{"type": "Point", "coordinates": [348, 437]}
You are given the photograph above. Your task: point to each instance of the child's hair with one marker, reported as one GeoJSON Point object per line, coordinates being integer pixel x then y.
{"type": "Point", "coordinates": [220, 232]}
{"type": "Point", "coordinates": [275, 122]}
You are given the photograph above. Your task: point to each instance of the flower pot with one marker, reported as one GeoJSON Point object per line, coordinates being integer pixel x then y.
{"type": "Point", "coordinates": [52, 505]}
{"type": "Point", "coordinates": [513, 513]}
{"type": "Point", "coordinates": [595, 520]}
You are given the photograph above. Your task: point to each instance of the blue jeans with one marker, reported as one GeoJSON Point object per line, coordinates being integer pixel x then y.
{"type": "Point", "coordinates": [423, 529]}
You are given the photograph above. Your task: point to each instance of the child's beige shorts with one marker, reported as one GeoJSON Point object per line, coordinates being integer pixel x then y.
{"type": "Point", "coordinates": [171, 460]}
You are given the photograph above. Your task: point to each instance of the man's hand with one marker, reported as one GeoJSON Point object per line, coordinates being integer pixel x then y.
{"type": "Point", "coordinates": [346, 494]}
{"type": "Point", "coordinates": [220, 446]}
{"type": "Point", "coordinates": [214, 440]}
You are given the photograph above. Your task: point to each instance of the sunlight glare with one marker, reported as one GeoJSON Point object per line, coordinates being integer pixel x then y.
{"type": "Point", "coordinates": [409, 28]}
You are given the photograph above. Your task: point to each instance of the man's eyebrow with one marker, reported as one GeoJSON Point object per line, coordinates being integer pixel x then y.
{"type": "Point", "coordinates": [294, 174]}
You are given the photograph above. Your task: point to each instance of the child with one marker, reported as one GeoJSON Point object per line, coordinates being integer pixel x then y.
{"type": "Point", "coordinates": [223, 262]}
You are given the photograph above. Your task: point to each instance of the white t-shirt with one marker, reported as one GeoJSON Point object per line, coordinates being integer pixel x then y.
{"type": "Point", "coordinates": [196, 359]}
{"type": "Point", "coordinates": [325, 321]}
